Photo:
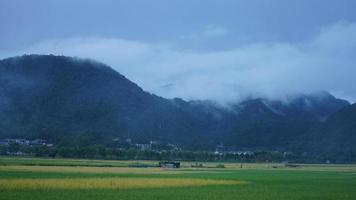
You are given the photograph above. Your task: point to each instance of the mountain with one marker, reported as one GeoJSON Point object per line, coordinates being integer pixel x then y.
{"type": "Point", "coordinates": [56, 97]}
{"type": "Point", "coordinates": [337, 134]}
{"type": "Point", "coordinates": [267, 124]}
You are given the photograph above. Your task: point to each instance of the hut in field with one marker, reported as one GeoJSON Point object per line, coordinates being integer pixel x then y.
{"type": "Point", "coordinates": [169, 164]}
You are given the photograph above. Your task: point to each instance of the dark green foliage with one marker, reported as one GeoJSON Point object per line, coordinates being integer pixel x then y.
{"type": "Point", "coordinates": [80, 103]}
{"type": "Point", "coordinates": [54, 97]}
{"type": "Point", "coordinates": [337, 135]}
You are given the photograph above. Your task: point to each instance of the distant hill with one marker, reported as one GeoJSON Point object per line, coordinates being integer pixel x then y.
{"type": "Point", "coordinates": [56, 97]}
{"type": "Point", "coordinates": [266, 124]}
{"type": "Point", "coordinates": [337, 134]}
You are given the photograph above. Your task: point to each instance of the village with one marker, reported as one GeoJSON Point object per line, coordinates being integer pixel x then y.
{"type": "Point", "coordinates": [25, 142]}
{"type": "Point", "coordinates": [127, 149]}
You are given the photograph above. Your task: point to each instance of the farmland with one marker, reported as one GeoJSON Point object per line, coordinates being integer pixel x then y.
{"type": "Point", "coordinates": [34, 178]}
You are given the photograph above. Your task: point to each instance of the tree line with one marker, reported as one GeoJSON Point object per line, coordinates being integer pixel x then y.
{"type": "Point", "coordinates": [101, 152]}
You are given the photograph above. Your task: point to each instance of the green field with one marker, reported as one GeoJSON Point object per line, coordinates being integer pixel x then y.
{"type": "Point", "coordinates": [32, 178]}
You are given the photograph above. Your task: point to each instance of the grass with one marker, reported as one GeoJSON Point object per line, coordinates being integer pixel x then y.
{"type": "Point", "coordinates": [252, 182]}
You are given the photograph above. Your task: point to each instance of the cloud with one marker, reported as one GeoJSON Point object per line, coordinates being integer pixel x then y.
{"type": "Point", "coordinates": [214, 31]}
{"type": "Point", "coordinates": [209, 31]}
{"type": "Point", "coordinates": [326, 62]}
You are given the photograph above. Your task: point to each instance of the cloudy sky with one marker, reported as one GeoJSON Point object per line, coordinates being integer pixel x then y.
{"type": "Point", "coordinates": [223, 50]}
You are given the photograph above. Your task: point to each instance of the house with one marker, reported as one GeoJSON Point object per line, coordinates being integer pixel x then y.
{"type": "Point", "coordinates": [173, 147]}
{"type": "Point", "coordinates": [143, 147]}
{"type": "Point", "coordinates": [22, 141]}
{"type": "Point", "coordinates": [169, 164]}
{"type": "Point", "coordinates": [4, 143]}
{"type": "Point", "coordinates": [39, 142]}
{"type": "Point", "coordinates": [17, 141]}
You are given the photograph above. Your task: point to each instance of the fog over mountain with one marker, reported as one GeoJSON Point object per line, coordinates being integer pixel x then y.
{"type": "Point", "coordinates": [273, 70]}
{"type": "Point", "coordinates": [223, 56]}
{"type": "Point", "coordinates": [57, 97]}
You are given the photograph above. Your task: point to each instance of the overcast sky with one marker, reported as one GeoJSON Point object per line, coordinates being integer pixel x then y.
{"type": "Point", "coordinates": [223, 50]}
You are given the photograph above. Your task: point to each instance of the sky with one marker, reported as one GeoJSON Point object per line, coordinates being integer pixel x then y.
{"type": "Point", "coordinates": [223, 50]}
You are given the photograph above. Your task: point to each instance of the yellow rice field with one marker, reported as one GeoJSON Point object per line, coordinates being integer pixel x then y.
{"type": "Point", "coordinates": [106, 183]}
{"type": "Point", "coordinates": [57, 179]}
{"type": "Point", "coordinates": [69, 169]}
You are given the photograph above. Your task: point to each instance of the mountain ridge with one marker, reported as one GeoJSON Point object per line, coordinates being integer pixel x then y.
{"type": "Point", "coordinates": [55, 96]}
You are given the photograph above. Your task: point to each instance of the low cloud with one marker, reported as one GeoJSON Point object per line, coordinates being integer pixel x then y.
{"type": "Point", "coordinates": [326, 62]}
{"type": "Point", "coordinates": [209, 31]}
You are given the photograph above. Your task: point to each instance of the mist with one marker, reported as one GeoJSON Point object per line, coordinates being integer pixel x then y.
{"type": "Point", "coordinates": [179, 68]}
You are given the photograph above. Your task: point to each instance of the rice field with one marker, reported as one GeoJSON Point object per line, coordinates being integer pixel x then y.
{"type": "Point", "coordinates": [106, 183]}
{"type": "Point", "coordinates": [31, 178]}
